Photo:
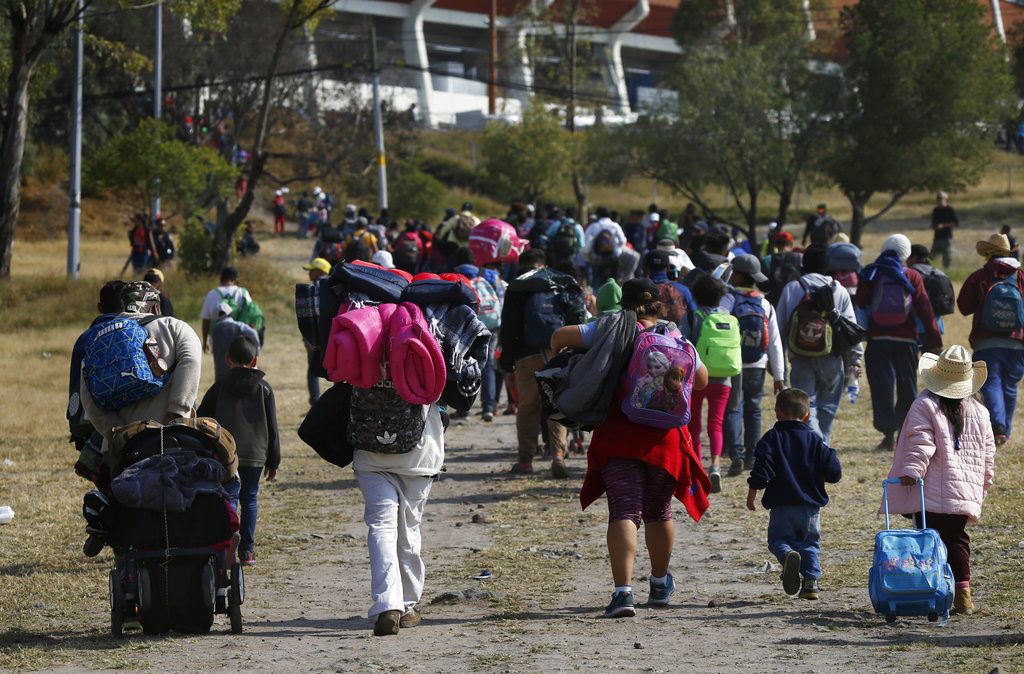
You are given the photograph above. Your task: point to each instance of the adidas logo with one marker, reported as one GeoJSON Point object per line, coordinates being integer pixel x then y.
{"type": "Point", "coordinates": [387, 438]}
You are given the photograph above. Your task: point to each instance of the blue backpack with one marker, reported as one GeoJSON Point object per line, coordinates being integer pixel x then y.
{"type": "Point", "coordinates": [116, 369]}
{"type": "Point", "coordinates": [753, 319]}
{"type": "Point", "coordinates": [542, 315]}
{"type": "Point", "coordinates": [1002, 311]}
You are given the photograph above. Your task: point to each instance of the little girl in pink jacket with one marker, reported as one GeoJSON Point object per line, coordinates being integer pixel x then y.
{"type": "Point", "coordinates": [947, 440]}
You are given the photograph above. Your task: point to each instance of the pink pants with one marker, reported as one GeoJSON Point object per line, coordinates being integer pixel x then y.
{"type": "Point", "coordinates": [717, 396]}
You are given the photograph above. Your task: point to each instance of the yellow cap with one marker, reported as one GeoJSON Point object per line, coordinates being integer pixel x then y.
{"type": "Point", "coordinates": [158, 273]}
{"type": "Point", "coordinates": [318, 263]}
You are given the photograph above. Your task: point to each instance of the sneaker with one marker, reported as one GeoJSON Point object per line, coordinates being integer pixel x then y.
{"type": "Point", "coordinates": [521, 468]}
{"type": "Point", "coordinates": [488, 416]}
{"type": "Point", "coordinates": [247, 558]}
{"type": "Point", "coordinates": [94, 545]}
{"type": "Point", "coordinates": [411, 618]}
{"type": "Point", "coordinates": [735, 468]}
{"type": "Point", "coordinates": [1002, 440]}
{"type": "Point", "coordinates": [511, 411]}
{"type": "Point", "coordinates": [791, 573]}
{"type": "Point", "coordinates": [660, 594]}
{"type": "Point", "coordinates": [809, 589]}
{"type": "Point", "coordinates": [558, 470]}
{"type": "Point", "coordinates": [622, 606]}
{"type": "Point", "coordinates": [387, 623]}
{"type": "Point", "coordinates": [716, 481]}
{"type": "Point", "coordinates": [887, 444]}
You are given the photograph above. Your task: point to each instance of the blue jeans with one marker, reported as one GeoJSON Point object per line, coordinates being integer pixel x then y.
{"type": "Point", "coordinates": [796, 528]}
{"type": "Point", "coordinates": [243, 491]}
{"type": "Point", "coordinates": [491, 385]}
{"type": "Point", "coordinates": [742, 424]}
{"type": "Point", "coordinates": [891, 364]}
{"type": "Point", "coordinates": [1005, 370]}
{"type": "Point", "coordinates": [822, 379]}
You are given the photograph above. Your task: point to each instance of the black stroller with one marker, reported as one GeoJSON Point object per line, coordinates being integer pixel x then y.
{"type": "Point", "coordinates": [174, 570]}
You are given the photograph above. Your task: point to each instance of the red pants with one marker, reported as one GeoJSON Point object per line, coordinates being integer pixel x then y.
{"type": "Point", "coordinates": [278, 224]}
{"type": "Point", "coordinates": [717, 396]}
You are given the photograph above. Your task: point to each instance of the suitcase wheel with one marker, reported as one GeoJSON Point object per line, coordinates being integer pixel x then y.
{"type": "Point", "coordinates": [890, 617]}
{"type": "Point", "coordinates": [209, 586]}
{"type": "Point", "coordinates": [145, 590]}
{"type": "Point", "coordinates": [933, 617]}
{"type": "Point", "coordinates": [116, 604]}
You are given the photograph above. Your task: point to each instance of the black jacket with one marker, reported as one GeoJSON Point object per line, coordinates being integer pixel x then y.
{"type": "Point", "coordinates": [243, 403]}
{"type": "Point", "coordinates": [792, 464]}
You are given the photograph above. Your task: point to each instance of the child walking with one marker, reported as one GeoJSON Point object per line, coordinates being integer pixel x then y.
{"type": "Point", "coordinates": [948, 441]}
{"type": "Point", "coordinates": [792, 463]}
{"type": "Point", "coordinates": [640, 467]}
{"type": "Point", "coordinates": [242, 401]}
{"type": "Point", "coordinates": [395, 488]}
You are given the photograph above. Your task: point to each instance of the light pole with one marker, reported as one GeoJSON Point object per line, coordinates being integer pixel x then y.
{"type": "Point", "coordinates": [378, 124]}
{"type": "Point", "coordinates": [158, 75]}
{"type": "Point", "coordinates": [75, 195]}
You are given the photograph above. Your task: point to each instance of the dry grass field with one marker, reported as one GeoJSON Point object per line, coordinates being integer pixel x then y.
{"type": "Point", "coordinates": [549, 565]}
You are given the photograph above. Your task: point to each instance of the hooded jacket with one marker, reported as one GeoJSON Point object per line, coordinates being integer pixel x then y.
{"type": "Point", "coordinates": [972, 298]}
{"type": "Point", "coordinates": [921, 305]}
{"type": "Point", "coordinates": [243, 403]}
{"type": "Point", "coordinates": [955, 478]}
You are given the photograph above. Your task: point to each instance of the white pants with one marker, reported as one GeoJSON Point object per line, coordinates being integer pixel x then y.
{"type": "Point", "coordinates": [394, 508]}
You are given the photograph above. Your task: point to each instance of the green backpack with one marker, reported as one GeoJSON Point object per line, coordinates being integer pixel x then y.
{"type": "Point", "coordinates": [719, 343]}
{"type": "Point", "coordinates": [248, 312]}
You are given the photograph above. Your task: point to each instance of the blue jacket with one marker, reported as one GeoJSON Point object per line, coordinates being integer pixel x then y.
{"type": "Point", "coordinates": [792, 464]}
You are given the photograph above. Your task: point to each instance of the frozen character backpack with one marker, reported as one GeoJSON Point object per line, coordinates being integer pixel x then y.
{"type": "Point", "coordinates": [659, 379]}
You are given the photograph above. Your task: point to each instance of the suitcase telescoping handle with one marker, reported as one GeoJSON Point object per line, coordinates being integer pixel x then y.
{"type": "Point", "coordinates": [885, 498]}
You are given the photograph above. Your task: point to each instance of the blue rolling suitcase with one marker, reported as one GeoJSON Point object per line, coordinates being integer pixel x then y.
{"type": "Point", "coordinates": [910, 575]}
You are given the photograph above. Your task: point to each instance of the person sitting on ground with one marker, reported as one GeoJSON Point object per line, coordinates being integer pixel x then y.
{"type": "Point", "coordinates": [792, 464]}
{"type": "Point", "coordinates": [242, 402]}
{"type": "Point", "coordinates": [639, 467]}
{"type": "Point", "coordinates": [947, 441]}
{"type": "Point", "coordinates": [997, 333]}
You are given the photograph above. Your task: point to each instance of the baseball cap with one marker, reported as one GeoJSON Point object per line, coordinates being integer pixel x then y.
{"type": "Point", "coordinates": [658, 258]}
{"type": "Point", "coordinates": [350, 210]}
{"type": "Point", "coordinates": [318, 263]}
{"type": "Point", "coordinates": [639, 290]}
{"type": "Point", "coordinates": [655, 217]}
{"type": "Point", "coordinates": [783, 237]}
{"type": "Point", "coordinates": [383, 258]}
{"type": "Point", "coordinates": [749, 265]}
{"type": "Point", "coordinates": [160, 275]}
{"type": "Point", "coordinates": [920, 252]}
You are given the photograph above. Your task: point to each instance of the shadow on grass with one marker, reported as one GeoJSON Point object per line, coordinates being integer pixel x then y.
{"type": "Point", "coordinates": [934, 640]}
{"type": "Point", "coordinates": [315, 486]}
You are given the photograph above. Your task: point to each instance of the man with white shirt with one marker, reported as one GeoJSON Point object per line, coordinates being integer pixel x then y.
{"type": "Point", "coordinates": [228, 289]}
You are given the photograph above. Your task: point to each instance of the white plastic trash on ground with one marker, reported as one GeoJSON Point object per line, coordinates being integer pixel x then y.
{"type": "Point", "coordinates": [6, 514]}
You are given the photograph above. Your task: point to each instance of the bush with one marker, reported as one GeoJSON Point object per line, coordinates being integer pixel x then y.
{"type": "Point", "coordinates": [449, 170]}
{"type": "Point", "coordinates": [194, 248]}
{"type": "Point", "coordinates": [416, 194]}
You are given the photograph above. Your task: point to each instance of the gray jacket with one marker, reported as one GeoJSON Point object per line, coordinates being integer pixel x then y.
{"type": "Point", "coordinates": [242, 401]}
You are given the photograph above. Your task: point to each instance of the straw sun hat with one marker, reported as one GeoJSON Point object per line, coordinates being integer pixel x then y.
{"type": "Point", "coordinates": [998, 245]}
{"type": "Point", "coordinates": [951, 374]}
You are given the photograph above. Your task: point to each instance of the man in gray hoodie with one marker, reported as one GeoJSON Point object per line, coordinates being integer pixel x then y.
{"type": "Point", "coordinates": [180, 349]}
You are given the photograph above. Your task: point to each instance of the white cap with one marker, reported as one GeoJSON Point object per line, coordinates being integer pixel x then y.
{"type": "Point", "coordinates": [317, 191]}
{"type": "Point", "coordinates": [655, 217]}
{"type": "Point", "coordinates": [382, 258]}
{"type": "Point", "coordinates": [278, 192]}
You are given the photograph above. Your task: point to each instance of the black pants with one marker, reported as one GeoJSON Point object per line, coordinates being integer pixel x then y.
{"type": "Point", "coordinates": [891, 364]}
{"type": "Point", "coordinates": [953, 532]}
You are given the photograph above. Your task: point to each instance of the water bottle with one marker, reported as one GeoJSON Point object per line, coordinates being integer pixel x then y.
{"type": "Point", "coordinates": [853, 390]}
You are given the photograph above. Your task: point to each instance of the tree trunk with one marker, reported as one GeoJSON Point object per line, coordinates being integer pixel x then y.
{"type": "Point", "coordinates": [857, 204]}
{"type": "Point", "coordinates": [785, 201]}
{"type": "Point", "coordinates": [12, 152]}
{"type": "Point", "coordinates": [752, 219]}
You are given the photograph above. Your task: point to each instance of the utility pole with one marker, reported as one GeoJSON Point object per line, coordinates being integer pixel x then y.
{"type": "Point", "coordinates": [378, 123]}
{"type": "Point", "coordinates": [158, 85]}
{"type": "Point", "coordinates": [492, 83]}
{"type": "Point", "coordinates": [75, 217]}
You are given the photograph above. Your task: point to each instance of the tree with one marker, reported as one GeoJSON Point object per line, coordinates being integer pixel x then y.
{"type": "Point", "coordinates": [744, 21]}
{"type": "Point", "coordinates": [135, 162]}
{"type": "Point", "coordinates": [526, 160]}
{"type": "Point", "coordinates": [924, 84]}
{"type": "Point", "coordinates": [747, 118]}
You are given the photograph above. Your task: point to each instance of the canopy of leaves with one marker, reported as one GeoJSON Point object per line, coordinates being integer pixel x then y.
{"type": "Point", "coordinates": [133, 163]}
{"type": "Point", "coordinates": [924, 82]}
{"type": "Point", "coordinates": [747, 21]}
{"type": "Point", "coordinates": [526, 160]}
{"type": "Point", "coordinates": [415, 194]}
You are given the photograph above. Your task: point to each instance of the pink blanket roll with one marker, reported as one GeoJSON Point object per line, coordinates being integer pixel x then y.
{"type": "Point", "coordinates": [416, 362]}
{"type": "Point", "coordinates": [355, 348]}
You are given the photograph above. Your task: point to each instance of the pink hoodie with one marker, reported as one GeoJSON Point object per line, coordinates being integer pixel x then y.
{"type": "Point", "coordinates": [955, 480]}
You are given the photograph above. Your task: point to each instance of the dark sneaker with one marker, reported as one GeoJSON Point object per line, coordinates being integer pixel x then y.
{"type": "Point", "coordinates": [488, 416]}
{"type": "Point", "coordinates": [247, 558]}
{"type": "Point", "coordinates": [736, 468]}
{"type": "Point", "coordinates": [410, 618]}
{"type": "Point", "coordinates": [716, 481]}
{"type": "Point", "coordinates": [809, 589]}
{"type": "Point", "coordinates": [387, 623]}
{"type": "Point", "coordinates": [558, 470]}
{"type": "Point", "coordinates": [887, 444]}
{"type": "Point", "coordinates": [791, 573]}
{"type": "Point", "coordinates": [511, 411]}
{"type": "Point", "coordinates": [521, 468]}
{"type": "Point", "coordinates": [660, 594]}
{"type": "Point", "coordinates": [622, 606]}
{"type": "Point", "coordinates": [94, 545]}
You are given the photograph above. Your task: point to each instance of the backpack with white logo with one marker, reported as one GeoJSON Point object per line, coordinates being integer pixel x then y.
{"type": "Point", "coordinates": [890, 301]}
{"type": "Point", "coordinates": [489, 310]}
{"type": "Point", "coordinates": [810, 333]}
{"type": "Point", "coordinates": [939, 288]}
{"type": "Point", "coordinates": [753, 320]}
{"type": "Point", "coordinates": [718, 343]}
{"type": "Point", "coordinates": [659, 379]}
{"type": "Point", "coordinates": [380, 421]}
{"type": "Point", "coordinates": [117, 371]}
{"type": "Point", "coordinates": [1002, 310]}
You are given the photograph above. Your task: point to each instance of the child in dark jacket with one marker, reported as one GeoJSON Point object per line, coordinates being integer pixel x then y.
{"type": "Point", "coordinates": [792, 464]}
{"type": "Point", "coordinates": [242, 401]}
